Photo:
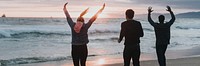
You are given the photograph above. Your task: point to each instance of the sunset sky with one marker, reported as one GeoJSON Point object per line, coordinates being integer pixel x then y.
{"type": "Point", "coordinates": [114, 8]}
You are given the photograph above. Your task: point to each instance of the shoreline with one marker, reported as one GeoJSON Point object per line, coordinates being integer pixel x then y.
{"type": "Point", "coordinates": [188, 57]}
{"type": "Point", "coordinates": [190, 61]}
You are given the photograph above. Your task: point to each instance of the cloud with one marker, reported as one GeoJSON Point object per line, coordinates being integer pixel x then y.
{"type": "Point", "coordinates": [123, 1]}
{"type": "Point", "coordinates": [112, 6]}
{"type": "Point", "coordinates": [182, 4]}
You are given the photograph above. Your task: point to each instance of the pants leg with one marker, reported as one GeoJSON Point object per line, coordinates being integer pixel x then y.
{"type": "Point", "coordinates": [136, 56]}
{"type": "Point", "coordinates": [126, 56]}
{"type": "Point", "coordinates": [83, 55]}
{"type": "Point", "coordinates": [160, 50]}
{"type": "Point", "coordinates": [75, 55]}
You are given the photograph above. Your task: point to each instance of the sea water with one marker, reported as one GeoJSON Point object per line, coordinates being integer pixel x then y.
{"type": "Point", "coordinates": [36, 40]}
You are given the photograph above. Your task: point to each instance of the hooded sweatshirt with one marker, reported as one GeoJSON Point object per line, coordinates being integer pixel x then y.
{"type": "Point", "coordinates": [79, 33]}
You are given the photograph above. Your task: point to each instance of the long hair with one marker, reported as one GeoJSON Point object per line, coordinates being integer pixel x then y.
{"type": "Point", "coordinates": [80, 18]}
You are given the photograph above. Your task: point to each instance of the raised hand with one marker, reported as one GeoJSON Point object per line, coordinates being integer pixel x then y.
{"type": "Point", "coordinates": [64, 9]}
{"type": "Point", "coordinates": [168, 9]}
{"type": "Point", "coordinates": [102, 8]}
{"type": "Point", "coordinates": [95, 16]}
{"type": "Point", "coordinates": [150, 9]}
{"type": "Point", "coordinates": [66, 12]}
{"type": "Point", "coordinates": [172, 15]}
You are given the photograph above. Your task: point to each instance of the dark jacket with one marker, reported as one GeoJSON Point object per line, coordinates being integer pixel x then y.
{"type": "Point", "coordinates": [132, 31]}
{"type": "Point", "coordinates": [162, 31]}
{"type": "Point", "coordinates": [82, 37]}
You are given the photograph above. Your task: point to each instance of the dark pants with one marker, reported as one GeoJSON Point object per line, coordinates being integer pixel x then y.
{"type": "Point", "coordinates": [79, 54]}
{"type": "Point", "coordinates": [131, 52]}
{"type": "Point", "coordinates": [160, 50]}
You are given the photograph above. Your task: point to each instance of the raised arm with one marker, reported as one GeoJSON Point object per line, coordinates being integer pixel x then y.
{"type": "Point", "coordinates": [69, 19]}
{"type": "Point", "coordinates": [172, 15]}
{"type": "Point", "coordinates": [95, 16]}
{"type": "Point", "coordinates": [149, 16]}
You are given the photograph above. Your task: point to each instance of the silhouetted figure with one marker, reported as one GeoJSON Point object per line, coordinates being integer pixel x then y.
{"type": "Point", "coordinates": [132, 31]}
{"type": "Point", "coordinates": [162, 31]}
{"type": "Point", "coordinates": [80, 36]}
{"type": "Point", "coordinates": [3, 15]}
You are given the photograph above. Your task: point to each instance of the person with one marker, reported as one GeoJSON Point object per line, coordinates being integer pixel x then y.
{"type": "Point", "coordinates": [132, 31]}
{"type": "Point", "coordinates": [3, 15]}
{"type": "Point", "coordinates": [162, 32]}
{"type": "Point", "coordinates": [79, 36]}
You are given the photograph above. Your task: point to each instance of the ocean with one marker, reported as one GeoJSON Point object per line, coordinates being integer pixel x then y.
{"type": "Point", "coordinates": [37, 40]}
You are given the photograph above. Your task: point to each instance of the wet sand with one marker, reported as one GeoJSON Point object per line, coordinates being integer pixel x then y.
{"type": "Point", "coordinates": [193, 61]}
{"type": "Point", "coordinates": [189, 57]}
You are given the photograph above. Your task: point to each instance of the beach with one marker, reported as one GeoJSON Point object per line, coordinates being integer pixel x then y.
{"type": "Point", "coordinates": [47, 42]}
{"type": "Point", "coordinates": [189, 57]}
{"type": "Point", "coordinates": [44, 32]}
{"type": "Point", "coordinates": [193, 61]}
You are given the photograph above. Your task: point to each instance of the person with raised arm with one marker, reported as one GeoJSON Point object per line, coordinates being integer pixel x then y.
{"type": "Point", "coordinates": [162, 32]}
{"type": "Point", "coordinates": [80, 39]}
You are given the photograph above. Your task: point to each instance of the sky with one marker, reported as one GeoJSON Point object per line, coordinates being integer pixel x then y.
{"type": "Point", "coordinates": [114, 8]}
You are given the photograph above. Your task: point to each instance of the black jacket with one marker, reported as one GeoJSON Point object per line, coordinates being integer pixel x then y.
{"type": "Point", "coordinates": [132, 31]}
{"type": "Point", "coordinates": [162, 30]}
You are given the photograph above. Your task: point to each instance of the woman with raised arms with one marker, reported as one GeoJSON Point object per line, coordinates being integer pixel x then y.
{"type": "Point", "coordinates": [79, 31]}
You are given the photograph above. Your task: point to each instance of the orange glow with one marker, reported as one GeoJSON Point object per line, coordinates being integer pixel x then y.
{"type": "Point", "coordinates": [101, 61]}
{"type": "Point", "coordinates": [93, 10]}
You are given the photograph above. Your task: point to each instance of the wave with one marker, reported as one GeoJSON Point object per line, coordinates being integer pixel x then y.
{"type": "Point", "coordinates": [113, 31]}
{"type": "Point", "coordinates": [148, 29]}
{"type": "Point", "coordinates": [106, 39]}
{"type": "Point", "coordinates": [33, 32]}
{"type": "Point", "coordinates": [197, 37]}
{"type": "Point", "coordinates": [28, 34]}
{"type": "Point", "coordinates": [32, 60]}
{"type": "Point", "coordinates": [37, 33]}
{"type": "Point", "coordinates": [102, 31]}
{"type": "Point", "coordinates": [35, 60]}
{"type": "Point", "coordinates": [186, 28]}
{"type": "Point", "coordinates": [31, 21]}
{"type": "Point", "coordinates": [178, 27]}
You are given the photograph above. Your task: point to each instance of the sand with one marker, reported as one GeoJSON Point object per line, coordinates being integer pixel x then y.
{"type": "Point", "coordinates": [190, 61]}
{"type": "Point", "coordinates": [188, 57]}
{"type": "Point", "coordinates": [193, 61]}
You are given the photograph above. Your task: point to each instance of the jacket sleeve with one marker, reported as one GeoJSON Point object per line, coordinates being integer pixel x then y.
{"type": "Point", "coordinates": [70, 22]}
{"type": "Point", "coordinates": [150, 20]}
{"type": "Point", "coordinates": [69, 19]}
{"type": "Point", "coordinates": [89, 24]}
{"type": "Point", "coordinates": [172, 20]}
{"type": "Point", "coordinates": [122, 32]}
{"type": "Point", "coordinates": [141, 33]}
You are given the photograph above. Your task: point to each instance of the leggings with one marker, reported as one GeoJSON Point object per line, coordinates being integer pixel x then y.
{"type": "Point", "coordinates": [79, 54]}
{"type": "Point", "coordinates": [131, 52]}
{"type": "Point", "coordinates": [160, 50]}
